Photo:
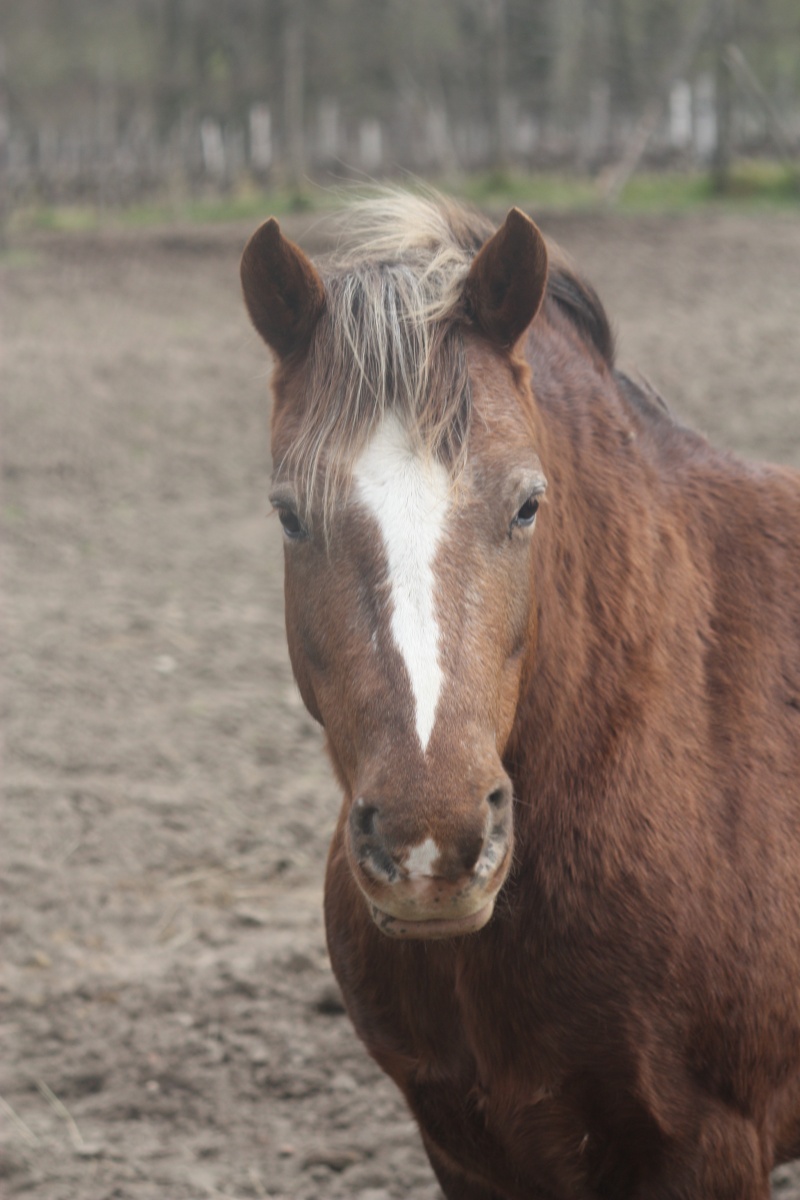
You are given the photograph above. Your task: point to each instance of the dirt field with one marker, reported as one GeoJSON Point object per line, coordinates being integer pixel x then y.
{"type": "Point", "coordinates": [169, 1024]}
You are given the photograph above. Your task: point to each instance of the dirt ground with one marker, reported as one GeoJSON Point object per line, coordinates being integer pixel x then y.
{"type": "Point", "coordinates": [167, 1015]}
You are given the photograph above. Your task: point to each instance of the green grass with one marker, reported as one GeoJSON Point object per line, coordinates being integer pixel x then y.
{"type": "Point", "coordinates": [765, 182]}
{"type": "Point", "coordinates": [754, 186]}
{"type": "Point", "coordinates": [551, 190]}
{"type": "Point", "coordinates": [246, 202]}
{"type": "Point", "coordinates": [18, 257]}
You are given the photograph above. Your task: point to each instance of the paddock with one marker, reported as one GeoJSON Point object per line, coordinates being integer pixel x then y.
{"type": "Point", "coordinates": [169, 1016]}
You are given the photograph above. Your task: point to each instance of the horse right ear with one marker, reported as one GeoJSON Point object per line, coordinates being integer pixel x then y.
{"type": "Point", "coordinates": [507, 280]}
{"type": "Point", "coordinates": [282, 290]}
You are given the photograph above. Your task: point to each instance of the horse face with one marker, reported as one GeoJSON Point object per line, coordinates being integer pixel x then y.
{"type": "Point", "coordinates": [409, 629]}
{"type": "Point", "coordinates": [410, 616]}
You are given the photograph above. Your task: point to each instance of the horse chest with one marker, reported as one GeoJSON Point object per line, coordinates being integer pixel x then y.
{"type": "Point", "coordinates": [494, 1078]}
{"type": "Point", "coordinates": [488, 1099]}
{"type": "Point", "coordinates": [510, 1125]}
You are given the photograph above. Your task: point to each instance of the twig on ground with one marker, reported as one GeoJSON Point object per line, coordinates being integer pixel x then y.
{"type": "Point", "coordinates": [18, 1123]}
{"type": "Point", "coordinates": [63, 1112]}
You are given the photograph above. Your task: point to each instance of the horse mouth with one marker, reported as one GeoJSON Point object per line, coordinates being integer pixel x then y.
{"type": "Point", "coordinates": [434, 928]}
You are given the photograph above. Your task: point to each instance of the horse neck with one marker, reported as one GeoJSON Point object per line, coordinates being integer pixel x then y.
{"type": "Point", "coordinates": [598, 574]}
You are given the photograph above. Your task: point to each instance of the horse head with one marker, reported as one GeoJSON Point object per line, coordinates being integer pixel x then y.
{"type": "Point", "coordinates": [407, 481]}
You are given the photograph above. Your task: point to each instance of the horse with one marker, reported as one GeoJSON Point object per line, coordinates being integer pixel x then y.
{"type": "Point", "coordinates": [553, 639]}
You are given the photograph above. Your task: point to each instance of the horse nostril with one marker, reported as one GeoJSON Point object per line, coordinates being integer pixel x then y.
{"type": "Point", "coordinates": [363, 818]}
{"type": "Point", "coordinates": [368, 842]}
{"type": "Point", "coordinates": [499, 798]}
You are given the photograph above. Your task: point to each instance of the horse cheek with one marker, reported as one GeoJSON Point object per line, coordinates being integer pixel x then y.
{"type": "Point", "coordinates": [510, 686]}
{"type": "Point", "coordinates": [520, 619]}
{"type": "Point", "coordinates": [298, 648]}
{"type": "Point", "coordinates": [302, 677]}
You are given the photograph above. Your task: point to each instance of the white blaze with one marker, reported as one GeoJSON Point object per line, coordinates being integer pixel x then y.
{"type": "Point", "coordinates": [409, 498]}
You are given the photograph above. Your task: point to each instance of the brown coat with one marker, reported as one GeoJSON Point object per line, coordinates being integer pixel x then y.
{"type": "Point", "coordinates": [625, 1022]}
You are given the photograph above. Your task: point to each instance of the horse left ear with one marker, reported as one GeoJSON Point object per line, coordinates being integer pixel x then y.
{"type": "Point", "coordinates": [507, 280]}
{"type": "Point", "coordinates": [282, 290]}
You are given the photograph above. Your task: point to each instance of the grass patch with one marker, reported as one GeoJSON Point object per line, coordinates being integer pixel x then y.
{"type": "Point", "coordinates": [552, 190]}
{"type": "Point", "coordinates": [17, 258]}
{"type": "Point", "coordinates": [246, 202]}
{"type": "Point", "coordinates": [755, 180]}
{"type": "Point", "coordinates": [754, 185]}
{"type": "Point", "coordinates": [62, 218]}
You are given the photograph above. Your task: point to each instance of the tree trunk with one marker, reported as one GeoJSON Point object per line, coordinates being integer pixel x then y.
{"type": "Point", "coordinates": [294, 91]}
{"type": "Point", "coordinates": [5, 135]}
{"type": "Point", "coordinates": [721, 161]}
{"type": "Point", "coordinates": [498, 33]}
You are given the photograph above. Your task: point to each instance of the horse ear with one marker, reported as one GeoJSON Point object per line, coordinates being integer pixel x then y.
{"type": "Point", "coordinates": [507, 280]}
{"type": "Point", "coordinates": [282, 290]}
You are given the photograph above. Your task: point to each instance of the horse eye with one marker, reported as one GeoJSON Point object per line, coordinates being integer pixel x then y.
{"type": "Point", "coordinates": [527, 513]}
{"type": "Point", "coordinates": [293, 527]}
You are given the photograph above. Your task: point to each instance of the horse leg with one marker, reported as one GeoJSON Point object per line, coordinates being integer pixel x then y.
{"type": "Point", "coordinates": [727, 1161]}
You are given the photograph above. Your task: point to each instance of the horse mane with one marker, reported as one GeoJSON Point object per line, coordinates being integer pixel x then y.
{"type": "Point", "coordinates": [643, 398]}
{"type": "Point", "coordinates": [582, 306]}
{"type": "Point", "coordinates": [391, 334]}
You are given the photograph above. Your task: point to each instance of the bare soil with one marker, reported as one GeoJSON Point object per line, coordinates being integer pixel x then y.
{"type": "Point", "coordinates": [169, 1023]}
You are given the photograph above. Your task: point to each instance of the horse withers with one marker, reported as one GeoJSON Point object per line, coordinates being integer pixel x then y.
{"type": "Point", "coordinates": [554, 640]}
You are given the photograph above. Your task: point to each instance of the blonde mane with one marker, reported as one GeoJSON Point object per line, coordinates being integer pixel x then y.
{"type": "Point", "coordinates": [390, 337]}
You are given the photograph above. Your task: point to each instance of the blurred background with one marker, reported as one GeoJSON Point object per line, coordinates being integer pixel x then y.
{"type": "Point", "coordinates": [122, 102]}
{"type": "Point", "coordinates": [169, 1022]}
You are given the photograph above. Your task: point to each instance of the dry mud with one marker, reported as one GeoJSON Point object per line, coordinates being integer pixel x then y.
{"type": "Point", "coordinates": [169, 1025]}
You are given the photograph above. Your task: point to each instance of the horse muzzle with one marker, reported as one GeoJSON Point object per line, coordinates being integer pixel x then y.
{"type": "Point", "coordinates": [428, 888]}
{"type": "Point", "coordinates": [432, 929]}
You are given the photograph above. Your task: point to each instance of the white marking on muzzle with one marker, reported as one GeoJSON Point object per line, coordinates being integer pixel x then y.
{"type": "Point", "coordinates": [420, 859]}
{"type": "Point", "coordinates": [409, 497]}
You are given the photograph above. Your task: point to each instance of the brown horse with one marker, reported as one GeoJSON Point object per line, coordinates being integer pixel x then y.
{"type": "Point", "coordinates": [554, 640]}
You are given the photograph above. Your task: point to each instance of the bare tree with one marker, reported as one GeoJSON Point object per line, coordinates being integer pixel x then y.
{"type": "Point", "coordinates": [294, 89]}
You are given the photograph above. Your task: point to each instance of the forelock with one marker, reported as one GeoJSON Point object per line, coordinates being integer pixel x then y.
{"type": "Point", "coordinates": [390, 337]}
